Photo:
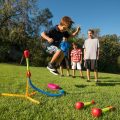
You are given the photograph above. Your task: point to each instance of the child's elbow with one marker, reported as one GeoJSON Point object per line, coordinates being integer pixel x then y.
{"type": "Point", "coordinates": [42, 34]}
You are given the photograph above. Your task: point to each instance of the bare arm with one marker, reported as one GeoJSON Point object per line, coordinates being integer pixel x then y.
{"type": "Point", "coordinates": [98, 50]}
{"type": "Point", "coordinates": [81, 59]}
{"type": "Point", "coordinates": [97, 53]}
{"type": "Point", "coordinates": [71, 55]}
{"type": "Point", "coordinates": [76, 32]}
{"type": "Point", "coordinates": [45, 37]}
{"type": "Point", "coordinates": [84, 53]}
{"type": "Point", "coordinates": [68, 54]}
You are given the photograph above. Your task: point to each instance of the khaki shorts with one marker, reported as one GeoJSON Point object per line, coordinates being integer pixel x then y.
{"type": "Point", "coordinates": [76, 65]}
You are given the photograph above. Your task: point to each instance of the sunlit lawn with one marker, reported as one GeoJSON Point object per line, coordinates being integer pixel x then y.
{"type": "Point", "coordinates": [13, 80]}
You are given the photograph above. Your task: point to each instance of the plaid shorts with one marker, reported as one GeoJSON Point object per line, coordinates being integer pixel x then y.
{"type": "Point", "coordinates": [52, 49]}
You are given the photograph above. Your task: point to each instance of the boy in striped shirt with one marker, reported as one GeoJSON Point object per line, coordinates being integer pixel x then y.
{"type": "Point", "coordinates": [76, 59]}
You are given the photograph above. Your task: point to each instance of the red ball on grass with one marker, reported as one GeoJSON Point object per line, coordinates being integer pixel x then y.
{"type": "Point", "coordinates": [79, 105]}
{"type": "Point", "coordinates": [96, 112]}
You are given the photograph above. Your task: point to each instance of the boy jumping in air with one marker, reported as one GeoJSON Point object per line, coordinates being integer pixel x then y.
{"type": "Point", "coordinates": [54, 37]}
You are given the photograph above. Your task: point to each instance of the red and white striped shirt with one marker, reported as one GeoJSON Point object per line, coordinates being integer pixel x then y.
{"type": "Point", "coordinates": [76, 55]}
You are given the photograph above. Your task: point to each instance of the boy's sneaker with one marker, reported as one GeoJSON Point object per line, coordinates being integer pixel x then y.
{"type": "Point", "coordinates": [62, 75]}
{"type": "Point", "coordinates": [73, 76]}
{"type": "Point", "coordinates": [51, 67]}
{"type": "Point", "coordinates": [82, 77]}
{"type": "Point", "coordinates": [97, 81]}
{"type": "Point", "coordinates": [55, 72]}
{"type": "Point", "coordinates": [88, 81]}
{"type": "Point", "coordinates": [68, 75]}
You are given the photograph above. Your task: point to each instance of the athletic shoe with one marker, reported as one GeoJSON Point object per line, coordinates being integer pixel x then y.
{"type": "Point", "coordinates": [82, 77]}
{"type": "Point", "coordinates": [68, 75]}
{"type": "Point", "coordinates": [97, 81]}
{"type": "Point", "coordinates": [55, 72]}
{"type": "Point", "coordinates": [88, 81]}
{"type": "Point", "coordinates": [73, 77]}
{"type": "Point", "coordinates": [51, 67]}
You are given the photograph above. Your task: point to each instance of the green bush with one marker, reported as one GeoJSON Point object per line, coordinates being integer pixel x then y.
{"type": "Point", "coordinates": [109, 52]}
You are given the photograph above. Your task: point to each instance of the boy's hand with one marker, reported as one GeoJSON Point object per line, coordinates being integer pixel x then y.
{"type": "Point", "coordinates": [97, 57]}
{"type": "Point", "coordinates": [50, 40]}
{"type": "Point", "coordinates": [78, 29]}
{"type": "Point", "coordinates": [76, 32]}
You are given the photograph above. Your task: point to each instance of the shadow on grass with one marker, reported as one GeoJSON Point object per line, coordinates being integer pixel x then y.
{"type": "Point", "coordinates": [81, 86]}
{"type": "Point", "coordinates": [113, 81]}
{"type": "Point", "coordinates": [79, 92]}
{"type": "Point", "coordinates": [107, 84]}
{"type": "Point", "coordinates": [84, 77]}
{"type": "Point", "coordinates": [92, 77]}
{"type": "Point", "coordinates": [104, 77]}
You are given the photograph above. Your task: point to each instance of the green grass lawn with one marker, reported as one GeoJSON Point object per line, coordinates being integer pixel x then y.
{"type": "Point", "coordinates": [13, 80]}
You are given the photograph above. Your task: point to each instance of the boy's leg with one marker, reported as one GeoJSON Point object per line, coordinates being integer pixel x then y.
{"type": "Point", "coordinates": [55, 56]}
{"type": "Point", "coordinates": [88, 65]}
{"type": "Point", "coordinates": [61, 70]}
{"type": "Point", "coordinates": [73, 69]}
{"type": "Point", "coordinates": [56, 51]}
{"type": "Point", "coordinates": [96, 75]}
{"type": "Point", "coordinates": [68, 72]}
{"type": "Point", "coordinates": [61, 67]}
{"type": "Point", "coordinates": [94, 66]}
{"type": "Point", "coordinates": [56, 60]}
{"type": "Point", "coordinates": [81, 74]}
{"type": "Point", "coordinates": [67, 66]}
{"type": "Point", "coordinates": [73, 73]}
{"type": "Point", "coordinates": [88, 75]}
{"type": "Point", "coordinates": [80, 69]}
{"type": "Point", "coordinates": [59, 59]}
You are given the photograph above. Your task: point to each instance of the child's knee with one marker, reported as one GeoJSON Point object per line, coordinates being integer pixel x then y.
{"type": "Point", "coordinates": [58, 51]}
{"type": "Point", "coordinates": [61, 52]}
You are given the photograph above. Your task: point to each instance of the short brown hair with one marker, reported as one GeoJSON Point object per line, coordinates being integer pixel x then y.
{"type": "Point", "coordinates": [67, 21]}
{"type": "Point", "coordinates": [92, 31]}
{"type": "Point", "coordinates": [75, 43]}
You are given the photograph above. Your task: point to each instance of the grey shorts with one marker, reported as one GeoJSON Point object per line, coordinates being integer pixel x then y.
{"type": "Point", "coordinates": [52, 49]}
{"type": "Point", "coordinates": [91, 64]}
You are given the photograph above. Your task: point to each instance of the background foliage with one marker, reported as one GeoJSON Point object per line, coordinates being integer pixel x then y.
{"type": "Point", "coordinates": [21, 23]}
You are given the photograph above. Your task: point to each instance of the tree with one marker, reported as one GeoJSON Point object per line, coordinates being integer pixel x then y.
{"type": "Point", "coordinates": [96, 32]}
{"type": "Point", "coordinates": [109, 53]}
{"type": "Point", "coordinates": [20, 23]}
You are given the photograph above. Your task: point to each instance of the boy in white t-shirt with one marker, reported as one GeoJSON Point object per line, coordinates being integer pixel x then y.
{"type": "Point", "coordinates": [91, 54]}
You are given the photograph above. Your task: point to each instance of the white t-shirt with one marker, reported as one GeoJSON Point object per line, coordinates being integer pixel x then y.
{"type": "Point", "coordinates": [91, 46]}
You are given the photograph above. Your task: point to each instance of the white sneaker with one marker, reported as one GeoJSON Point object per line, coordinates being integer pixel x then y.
{"type": "Point", "coordinates": [50, 69]}
{"type": "Point", "coordinates": [54, 72]}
